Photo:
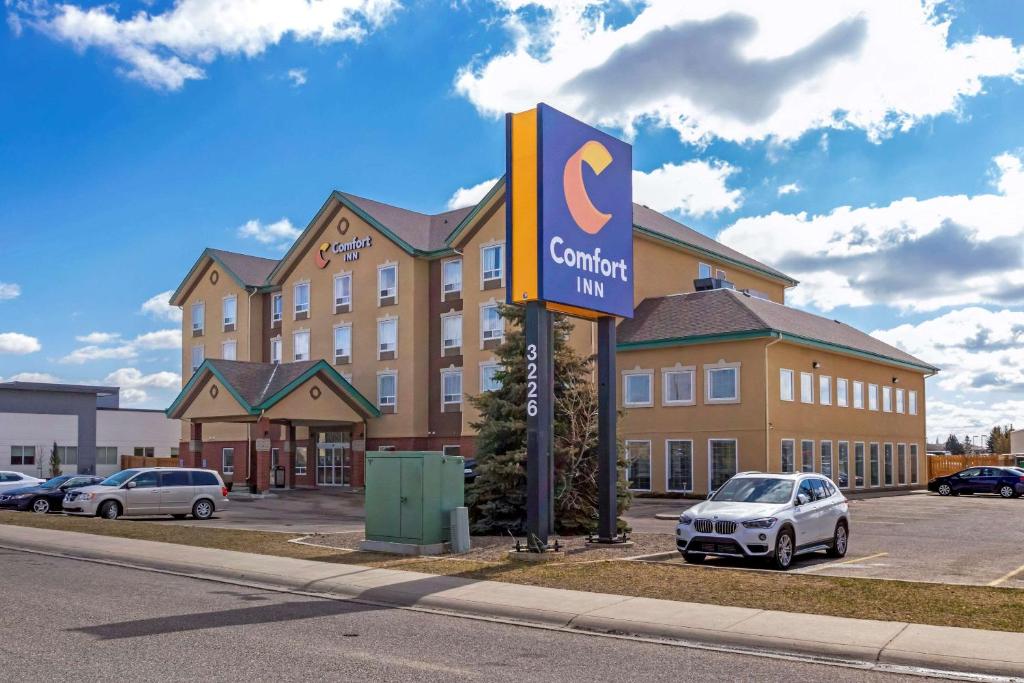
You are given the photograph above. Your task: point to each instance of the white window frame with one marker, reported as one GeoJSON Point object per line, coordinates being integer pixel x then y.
{"type": "Point", "coordinates": [858, 395]}
{"type": "Point", "coordinates": [721, 365]}
{"type": "Point", "coordinates": [668, 469]}
{"type": "Point", "coordinates": [700, 266]}
{"type": "Point", "coordinates": [783, 382]}
{"type": "Point", "coordinates": [831, 457]}
{"type": "Point", "coordinates": [487, 364]}
{"type": "Point", "coordinates": [295, 346]}
{"type": "Point", "coordinates": [295, 299]}
{"type": "Point", "coordinates": [388, 319]}
{"type": "Point", "coordinates": [380, 271]}
{"type": "Point", "coordinates": [901, 401]}
{"type": "Point", "coordinates": [500, 246]}
{"type": "Point", "coordinates": [224, 349]}
{"type": "Point", "coordinates": [678, 368]}
{"type": "Point", "coordinates": [814, 456]}
{"type": "Point", "coordinates": [913, 453]}
{"type": "Point", "coordinates": [825, 390]}
{"type": "Point", "coordinates": [842, 397]}
{"type": "Point", "coordinates": [736, 457]}
{"type": "Point", "coordinates": [224, 467]}
{"type": "Point", "coordinates": [445, 289]}
{"type": "Point", "coordinates": [444, 342]}
{"type": "Point", "coordinates": [200, 306]}
{"type": "Point", "coordinates": [873, 397]}
{"type": "Point", "coordinates": [445, 374]}
{"type": "Point", "coordinates": [276, 316]}
{"type": "Point", "coordinates": [338, 300]}
{"type": "Point", "coordinates": [501, 321]}
{"type": "Point", "coordinates": [650, 461]}
{"type": "Point", "coordinates": [807, 396]}
{"type": "Point", "coordinates": [202, 356]}
{"type": "Point", "coordinates": [886, 398]}
{"type": "Point", "coordinates": [334, 341]}
{"type": "Point", "coordinates": [721, 274]}
{"type": "Point", "coordinates": [224, 313]}
{"type": "Point", "coordinates": [637, 372]}
{"type": "Point", "coordinates": [912, 402]}
{"type": "Point", "coordinates": [782, 466]}
{"type": "Point", "coordinates": [279, 343]}
{"type": "Point", "coordinates": [850, 475]}
{"type": "Point", "coordinates": [394, 401]}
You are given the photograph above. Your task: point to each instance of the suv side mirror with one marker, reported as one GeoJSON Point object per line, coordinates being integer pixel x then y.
{"type": "Point", "coordinates": [130, 485]}
{"type": "Point", "coordinates": [802, 499]}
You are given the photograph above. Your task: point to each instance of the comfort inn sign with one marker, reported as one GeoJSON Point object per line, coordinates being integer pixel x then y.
{"type": "Point", "coordinates": [570, 223]}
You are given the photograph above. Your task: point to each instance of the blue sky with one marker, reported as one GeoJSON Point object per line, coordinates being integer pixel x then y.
{"type": "Point", "coordinates": [129, 142]}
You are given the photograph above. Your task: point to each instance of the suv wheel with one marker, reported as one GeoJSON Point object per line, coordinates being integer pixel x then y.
{"type": "Point", "coordinates": [110, 510]}
{"type": "Point", "coordinates": [694, 558]}
{"type": "Point", "coordinates": [840, 541]}
{"type": "Point", "coordinates": [945, 489]}
{"type": "Point", "coordinates": [41, 505]}
{"type": "Point", "coordinates": [785, 549]}
{"type": "Point", "coordinates": [203, 509]}
{"type": "Point", "coordinates": [1006, 491]}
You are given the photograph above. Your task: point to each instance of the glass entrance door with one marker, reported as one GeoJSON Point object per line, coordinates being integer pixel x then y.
{"type": "Point", "coordinates": [333, 459]}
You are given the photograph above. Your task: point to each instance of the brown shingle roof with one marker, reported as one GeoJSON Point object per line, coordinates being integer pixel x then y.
{"type": "Point", "coordinates": [726, 311]}
{"type": "Point", "coordinates": [256, 382]}
{"type": "Point", "coordinates": [421, 231]}
{"type": "Point", "coordinates": [252, 271]}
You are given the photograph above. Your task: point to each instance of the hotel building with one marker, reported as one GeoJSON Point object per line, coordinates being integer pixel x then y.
{"type": "Point", "coordinates": [375, 326]}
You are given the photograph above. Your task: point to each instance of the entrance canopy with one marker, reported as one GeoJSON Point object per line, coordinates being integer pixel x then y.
{"type": "Point", "coordinates": [302, 393]}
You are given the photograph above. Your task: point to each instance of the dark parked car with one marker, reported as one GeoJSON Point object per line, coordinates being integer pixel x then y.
{"type": "Point", "coordinates": [48, 496]}
{"type": "Point", "coordinates": [1004, 481]}
{"type": "Point", "coordinates": [469, 470]}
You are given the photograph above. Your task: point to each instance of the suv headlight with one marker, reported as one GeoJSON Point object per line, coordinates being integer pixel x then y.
{"type": "Point", "coordinates": [763, 523]}
{"type": "Point", "coordinates": [685, 519]}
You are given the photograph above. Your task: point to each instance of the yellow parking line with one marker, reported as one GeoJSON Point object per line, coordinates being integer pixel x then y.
{"type": "Point", "coordinates": [1006, 577]}
{"type": "Point", "coordinates": [826, 565]}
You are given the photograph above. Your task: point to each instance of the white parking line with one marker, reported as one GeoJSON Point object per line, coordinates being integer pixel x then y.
{"type": "Point", "coordinates": [1006, 577]}
{"type": "Point", "coordinates": [828, 565]}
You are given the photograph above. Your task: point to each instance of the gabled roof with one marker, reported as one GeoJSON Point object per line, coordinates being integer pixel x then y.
{"type": "Point", "coordinates": [258, 386]}
{"type": "Point", "coordinates": [424, 232]}
{"type": "Point", "coordinates": [248, 271]}
{"type": "Point", "coordinates": [723, 314]}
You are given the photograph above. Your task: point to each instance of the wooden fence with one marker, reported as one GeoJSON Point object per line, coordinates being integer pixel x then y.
{"type": "Point", "coordinates": [129, 461]}
{"type": "Point", "coordinates": [941, 465]}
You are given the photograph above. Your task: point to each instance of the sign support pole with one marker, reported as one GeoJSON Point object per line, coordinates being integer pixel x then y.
{"type": "Point", "coordinates": [540, 417]}
{"type": "Point", "coordinates": [607, 446]}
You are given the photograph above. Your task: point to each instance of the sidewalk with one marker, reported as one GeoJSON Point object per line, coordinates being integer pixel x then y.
{"type": "Point", "coordinates": [935, 647]}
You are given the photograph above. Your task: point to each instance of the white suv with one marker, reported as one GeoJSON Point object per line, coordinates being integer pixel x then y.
{"type": "Point", "coordinates": [772, 516]}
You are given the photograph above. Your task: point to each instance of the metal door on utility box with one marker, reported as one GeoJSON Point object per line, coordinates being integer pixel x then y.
{"type": "Point", "coordinates": [396, 508]}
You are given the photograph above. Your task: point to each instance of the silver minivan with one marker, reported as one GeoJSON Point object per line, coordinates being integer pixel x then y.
{"type": "Point", "coordinates": [148, 491]}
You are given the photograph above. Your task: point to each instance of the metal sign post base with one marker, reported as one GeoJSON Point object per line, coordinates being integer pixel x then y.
{"type": "Point", "coordinates": [540, 418]}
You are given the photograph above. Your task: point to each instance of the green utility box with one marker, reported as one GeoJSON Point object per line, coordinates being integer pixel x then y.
{"type": "Point", "coordinates": [409, 499]}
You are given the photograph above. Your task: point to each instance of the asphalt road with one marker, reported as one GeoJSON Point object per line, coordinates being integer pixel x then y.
{"type": "Point", "coordinates": [67, 619]}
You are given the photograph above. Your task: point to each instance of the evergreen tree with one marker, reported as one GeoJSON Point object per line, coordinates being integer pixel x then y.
{"type": "Point", "coordinates": [54, 461]}
{"type": "Point", "coordinates": [954, 446]}
{"type": "Point", "coordinates": [998, 440]}
{"type": "Point", "coordinates": [497, 499]}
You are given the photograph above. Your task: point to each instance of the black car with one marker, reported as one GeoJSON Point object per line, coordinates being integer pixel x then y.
{"type": "Point", "coordinates": [469, 470]}
{"type": "Point", "coordinates": [1004, 481]}
{"type": "Point", "coordinates": [48, 496]}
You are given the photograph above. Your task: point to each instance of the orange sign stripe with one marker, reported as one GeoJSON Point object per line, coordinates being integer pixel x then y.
{"type": "Point", "coordinates": [525, 164]}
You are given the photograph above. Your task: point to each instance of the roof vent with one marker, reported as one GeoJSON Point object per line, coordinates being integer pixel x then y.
{"type": "Point", "coordinates": [705, 284]}
{"type": "Point", "coordinates": [756, 294]}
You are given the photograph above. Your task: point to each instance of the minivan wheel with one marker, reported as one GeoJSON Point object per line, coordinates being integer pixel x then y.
{"type": "Point", "coordinates": [694, 558]}
{"type": "Point", "coordinates": [840, 541]}
{"type": "Point", "coordinates": [203, 509]}
{"type": "Point", "coordinates": [41, 505]}
{"type": "Point", "coordinates": [785, 548]}
{"type": "Point", "coordinates": [945, 489]}
{"type": "Point", "coordinates": [110, 510]}
{"type": "Point", "coordinates": [1006, 491]}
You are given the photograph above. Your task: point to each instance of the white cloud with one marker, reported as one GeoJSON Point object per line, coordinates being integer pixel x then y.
{"type": "Point", "coordinates": [148, 341]}
{"type": "Point", "coordinates": [468, 196]}
{"type": "Point", "coordinates": [297, 77]}
{"type": "Point", "coordinates": [912, 254]}
{"type": "Point", "coordinates": [159, 306]}
{"type": "Point", "coordinates": [738, 70]}
{"type": "Point", "coordinates": [18, 344]}
{"type": "Point", "coordinates": [133, 396]}
{"type": "Point", "coordinates": [134, 383]}
{"type": "Point", "coordinates": [98, 337]}
{"type": "Point", "coordinates": [281, 233]}
{"type": "Point", "coordinates": [165, 49]}
{"type": "Point", "coordinates": [696, 188]}
{"type": "Point", "coordinates": [789, 188]}
{"type": "Point", "coordinates": [945, 417]}
{"type": "Point", "coordinates": [9, 290]}
{"type": "Point", "coordinates": [161, 339]}
{"type": "Point", "coordinates": [32, 377]}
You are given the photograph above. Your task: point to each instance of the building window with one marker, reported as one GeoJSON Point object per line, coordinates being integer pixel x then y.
{"type": "Point", "coordinates": [276, 308]}
{"type": "Point", "coordinates": [451, 388]}
{"type": "Point", "coordinates": [229, 350]}
{"type": "Point", "coordinates": [275, 350]}
{"type": "Point", "coordinates": [913, 463]}
{"type": "Point", "coordinates": [900, 406]}
{"type": "Point", "coordinates": [703, 271]}
{"type": "Point", "coordinates": [451, 450]}
{"type": "Point", "coordinates": [858, 464]}
{"type": "Point", "coordinates": [106, 455]}
{"type": "Point", "coordinates": [492, 325]}
{"type": "Point", "coordinates": [872, 397]}
{"type": "Point", "coordinates": [638, 465]}
{"type": "Point", "coordinates": [785, 384]}
{"type": "Point", "coordinates": [230, 313]}
{"type": "Point", "coordinates": [843, 476]}
{"type": "Point", "coordinates": [636, 388]}
{"type": "Point", "coordinates": [901, 464]}
{"type": "Point", "coordinates": [806, 387]}
{"type": "Point", "coordinates": [23, 455]}
{"type": "Point", "coordinates": [825, 390]}
{"type": "Point", "coordinates": [887, 459]}
{"type": "Point", "coordinates": [724, 459]}
{"type": "Point", "coordinates": [858, 395]}
{"type": "Point", "coordinates": [873, 461]}
{"type": "Point", "coordinates": [806, 456]}
{"type": "Point", "coordinates": [842, 388]}
{"type": "Point", "coordinates": [302, 299]}
{"type": "Point", "coordinates": [300, 460]}
{"type": "Point", "coordinates": [677, 386]}
{"type": "Point", "coordinates": [451, 332]}
{"type": "Point", "coordinates": [144, 451]}
{"type": "Point", "coordinates": [387, 284]}
{"type": "Point", "coordinates": [343, 293]}
{"type": "Point", "coordinates": [68, 455]}
{"type": "Point", "coordinates": [720, 274]}
{"type": "Point", "coordinates": [912, 402]}
{"type": "Point", "coordinates": [489, 377]}
{"type": "Point", "coordinates": [492, 264]}
{"type": "Point", "coordinates": [197, 357]}
{"type": "Point", "coordinates": [198, 318]}
{"type": "Point", "coordinates": [679, 466]}
{"type": "Point", "coordinates": [387, 336]}
{"type": "Point", "coordinates": [387, 390]}
{"type": "Point", "coordinates": [343, 344]}
{"type": "Point", "coordinates": [886, 399]}
{"type": "Point", "coordinates": [300, 342]}
{"type": "Point", "coordinates": [174, 451]}
{"type": "Point", "coordinates": [788, 455]}
{"type": "Point", "coordinates": [722, 382]}
{"type": "Point", "coordinates": [275, 459]}
{"type": "Point", "coordinates": [227, 460]}
{"type": "Point", "coordinates": [451, 277]}
{"type": "Point", "coordinates": [825, 449]}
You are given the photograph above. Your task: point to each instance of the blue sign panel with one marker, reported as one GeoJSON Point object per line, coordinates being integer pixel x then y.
{"type": "Point", "coordinates": [585, 226]}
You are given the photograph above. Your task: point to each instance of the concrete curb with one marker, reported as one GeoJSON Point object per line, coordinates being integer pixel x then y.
{"type": "Point", "coordinates": [872, 642]}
